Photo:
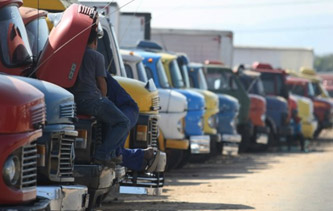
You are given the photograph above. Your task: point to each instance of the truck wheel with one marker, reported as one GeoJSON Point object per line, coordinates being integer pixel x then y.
{"type": "Point", "coordinates": [174, 158]}
{"type": "Point", "coordinates": [317, 132]}
{"type": "Point", "coordinates": [185, 159]}
{"type": "Point", "coordinates": [219, 148]}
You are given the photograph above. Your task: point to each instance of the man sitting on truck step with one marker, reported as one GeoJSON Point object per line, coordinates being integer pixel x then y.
{"type": "Point", "coordinates": [90, 92]}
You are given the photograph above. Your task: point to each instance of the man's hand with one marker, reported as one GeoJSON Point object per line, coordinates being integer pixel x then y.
{"type": "Point", "coordinates": [101, 83]}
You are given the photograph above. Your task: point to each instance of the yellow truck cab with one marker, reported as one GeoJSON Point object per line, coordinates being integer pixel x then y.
{"type": "Point", "coordinates": [173, 110]}
{"type": "Point", "coordinates": [211, 99]}
{"type": "Point", "coordinates": [316, 80]}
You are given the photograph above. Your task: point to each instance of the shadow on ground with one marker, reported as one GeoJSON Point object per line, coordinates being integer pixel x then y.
{"type": "Point", "coordinates": [174, 206]}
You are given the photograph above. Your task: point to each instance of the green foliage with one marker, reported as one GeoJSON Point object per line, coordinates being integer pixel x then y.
{"type": "Point", "coordinates": [324, 63]}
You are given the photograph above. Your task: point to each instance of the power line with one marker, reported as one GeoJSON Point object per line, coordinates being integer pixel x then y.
{"type": "Point", "coordinates": [251, 5]}
{"type": "Point", "coordinates": [286, 29]}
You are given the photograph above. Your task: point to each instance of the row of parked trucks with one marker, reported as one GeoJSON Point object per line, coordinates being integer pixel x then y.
{"type": "Point", "coordinates": [188, 111]}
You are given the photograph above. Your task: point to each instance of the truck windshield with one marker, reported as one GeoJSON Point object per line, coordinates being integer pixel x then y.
{"type": "Point", "coordinates": [176, 76]}
{"type": "Point", "coordinates": [163, 79]}
{"type": "Point", "coordinates": [14, 45]}
{"type": "Point", "coordinates": [37, 43]}
{"type": "Point", "coordinates": [253, 85]}
{"type": "Point", "coordinates": [273, 83]}
{"type": "Point", "coordinates": [202, 80]}
{"type": "Point", "coordinates": [141, 72]}
{"type": "Point", "coordinates": [217, 79]}
{"type": "Point", "coordinates": [299, 90]}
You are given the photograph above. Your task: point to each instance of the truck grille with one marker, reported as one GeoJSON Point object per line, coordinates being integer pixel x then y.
{"type": "Point", "coordinates": [155, 104]}
{"type": "Point", "coordinates": [67, 156]}
{"type": "Point", "coordinates": [153, 128]}
{"type": "Point", "coordinates": [67, 110]}
{"type": "Point", "coordinates": [29, 165]}
{"type": "Point", "coordinates": [38, 115]}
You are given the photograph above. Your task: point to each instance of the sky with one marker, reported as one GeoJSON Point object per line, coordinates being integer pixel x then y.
{"type": "Point", "coordinates": [273, 23]}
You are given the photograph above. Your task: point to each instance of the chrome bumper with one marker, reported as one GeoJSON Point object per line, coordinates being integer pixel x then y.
{"type": "Point", "coordinates": [262, 138]}
{"type": "Point", "coordinates": [140, 190]}
{"type": "Point", "coordinates": [71, 197]}
{"type": "Point", "coordinates": [200, 144]}
{"type": "Point", "coordinates": [234, 138]}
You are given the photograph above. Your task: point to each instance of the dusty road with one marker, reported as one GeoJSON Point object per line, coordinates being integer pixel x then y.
{"type": "Point", "coordinates": [255, 181]}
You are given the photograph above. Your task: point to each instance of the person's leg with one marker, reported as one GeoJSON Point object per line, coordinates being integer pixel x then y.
{"type": "Point", "coordinates": [117, 127]}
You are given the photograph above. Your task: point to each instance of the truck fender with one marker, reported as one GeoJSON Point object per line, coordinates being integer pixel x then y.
{"type": "Point", "coordinates": [271, 124]}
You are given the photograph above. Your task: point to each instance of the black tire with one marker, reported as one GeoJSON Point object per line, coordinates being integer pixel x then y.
{"type": "Point", "coordinates": [174, 158]}
{"type": "Point", "coordinates": [185, 159]}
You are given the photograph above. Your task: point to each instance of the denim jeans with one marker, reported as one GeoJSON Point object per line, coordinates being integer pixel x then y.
{"type": "Point", "coordinates": [116, 125]}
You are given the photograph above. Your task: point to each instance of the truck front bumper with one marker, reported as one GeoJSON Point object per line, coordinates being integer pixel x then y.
{"type": "Point", "coordinates": [308, 129]}
{"type": "Point", "coordinates": [181, 144]}
{"type": "Point", "coordinates": [65, 197]}
{"type": "Point", "coordinates": [39, 204]}
{"type": "Point", "coordinates": [200, 144]}
{"type": "Point", "coordinates": [262, 134]}
{"type": "Point", "coordinates": [231, 138]}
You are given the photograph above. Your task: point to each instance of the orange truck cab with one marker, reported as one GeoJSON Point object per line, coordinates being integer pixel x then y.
{"type": "Point", "coordinates": [252, 83]}
{"type": "Point", "coordinates": [22, 111]}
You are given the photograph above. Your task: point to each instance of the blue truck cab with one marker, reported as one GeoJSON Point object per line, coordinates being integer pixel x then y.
{"type": "Point", "coordinates": [199, 144]}
{"type": "Point", "coordinates": [278, 111]}
{"type": "Point", "coordinates": [228, 105]}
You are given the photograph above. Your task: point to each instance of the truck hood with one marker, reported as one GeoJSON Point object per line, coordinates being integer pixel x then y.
{"type": "Point", "coordinates": [172, 101]}
{"type": "Point", "coordinates": [257, 110]}
{"type": "Point", "coordinates": [211, 99]}
{"type": "Point", "coordinates": [60, 106]}
{"type": "Point", "coordinates": [276, 103]}
{"type": "Point", "coordinates": [18, 100]}
{"type": "Point", "coordinates": [304, 106]}
{"type": "Point", "coordinates": [228, 103]}
{"type": "Point", "coordinates": [195, 101]}
{"type": "Point", "coordinates": [140, 92]}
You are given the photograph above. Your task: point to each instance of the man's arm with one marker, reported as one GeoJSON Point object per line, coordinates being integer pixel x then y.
{"type": "Point", "coordinates": [101, 83]}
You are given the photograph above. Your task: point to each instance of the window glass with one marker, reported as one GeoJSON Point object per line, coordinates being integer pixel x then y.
{"type": "Point", "coordinates": [141, 72]}
{"type": "Point", "coordinates": [14, 44]}
{"type": "Point", "coordinates": [202, 80]}
{"type": "Point", "coordinates": [37, 43]}
{"type": "Point", "coordinates": [272, 83]}
{"type": "Point", "coordinates": [316, 89]}
{"type": "Point", "coordinates": [297, 89]}
{"type": "Point", "coordinates": [176, 76]}
{"type": "Point", "coordinates": [216, 79]}
{"type": "Point", "coordinates": [311, 91]}
{"type": "Point", "coordinates": [162, 77]}
{"type": "Point", "coordinates": [149, 73]}
{"type": "Point", "coordinates": [129, 71]}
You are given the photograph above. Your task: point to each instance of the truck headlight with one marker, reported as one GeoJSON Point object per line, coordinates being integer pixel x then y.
{"type": "Point", "coordinates": [141, 132]}
{"type": "Point", "coordinates": [11, 170]}
{"type": "Point", "coordinates": [180, 125]}
{"type": "Point", "coordinates": [212, 121]}
{"type": "Point", "coordinates": [263, 117]}
{"type": "Point", "coordinates": [201, 123]}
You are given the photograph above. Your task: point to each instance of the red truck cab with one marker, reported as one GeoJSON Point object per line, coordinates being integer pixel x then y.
{"type": "Point", "coordinates": [22, 111]}
{"type": "Point", "coordinates": [322, 106]}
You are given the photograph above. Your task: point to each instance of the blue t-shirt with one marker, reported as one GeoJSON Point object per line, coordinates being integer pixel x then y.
{"type": "Point", "coordinates": [92, 66]}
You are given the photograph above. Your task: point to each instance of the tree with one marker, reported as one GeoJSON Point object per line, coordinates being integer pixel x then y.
{"type": "Point", "coordinates": [324, 63]}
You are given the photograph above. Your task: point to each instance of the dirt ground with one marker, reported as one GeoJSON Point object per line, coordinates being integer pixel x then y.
{"type": "Point", "coordinates": [255, 181]}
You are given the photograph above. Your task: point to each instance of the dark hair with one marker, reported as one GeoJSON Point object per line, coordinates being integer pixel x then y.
{"type": "Point", "coordinates": [93, 35]}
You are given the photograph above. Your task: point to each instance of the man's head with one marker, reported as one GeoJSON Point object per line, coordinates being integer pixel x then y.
{"type": "Point", "coordinates": [92, 40]}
